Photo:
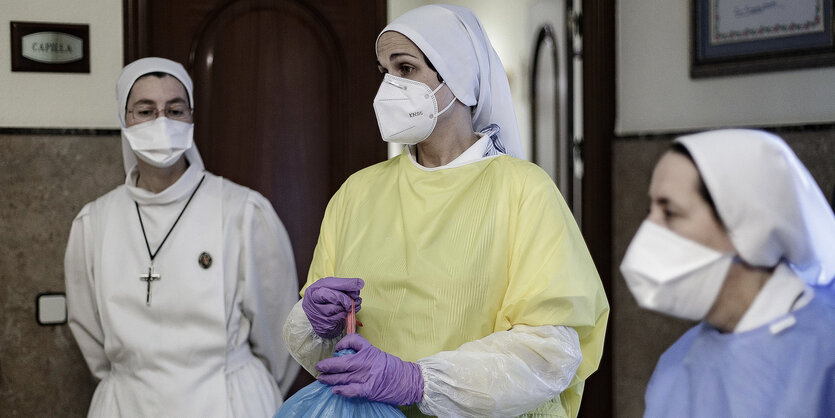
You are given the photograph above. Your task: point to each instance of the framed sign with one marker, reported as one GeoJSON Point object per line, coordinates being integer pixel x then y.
{"type": "Point", "coordinates": [748, 36]}
{"type": "Point", "coordinates": [50, 47]}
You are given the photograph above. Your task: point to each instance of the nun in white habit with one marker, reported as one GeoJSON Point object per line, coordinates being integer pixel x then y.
{"type": "Point", "coordinates": [739, 236]}
{"type": "Point", "coordinates": [178, 281]}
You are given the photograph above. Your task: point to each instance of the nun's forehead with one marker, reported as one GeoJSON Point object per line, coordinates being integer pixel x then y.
{"type": "Point", "coordinates": [160, 75]}
{"type": "Point", "coordinates": [394, 41]}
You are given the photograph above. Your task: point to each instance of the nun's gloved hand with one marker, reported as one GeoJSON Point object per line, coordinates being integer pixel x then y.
{"type": "Point", "coordinates": [327, 302]}
{"type": "Point", "coordinates": [371, 374]}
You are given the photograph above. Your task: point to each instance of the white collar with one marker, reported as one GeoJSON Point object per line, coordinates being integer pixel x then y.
{"type": "Point", "coordinates": [780, 295]}
{"type": "Point", "coordinates": [181, 188]}
{"type": "Point", "coordinates": [474, 153]}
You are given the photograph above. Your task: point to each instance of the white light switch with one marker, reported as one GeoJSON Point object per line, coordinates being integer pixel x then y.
{"type": "Point", "coordinates": [52, 308]}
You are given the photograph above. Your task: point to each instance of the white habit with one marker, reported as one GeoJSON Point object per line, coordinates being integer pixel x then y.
{"type": "Point", "coordinates": [209, 344]}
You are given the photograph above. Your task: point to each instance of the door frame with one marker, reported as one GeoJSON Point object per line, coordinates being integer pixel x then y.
{"type": "Point", "coordinates": [598, 28]}
{"type": "Point", "coordinates": [134, 43]}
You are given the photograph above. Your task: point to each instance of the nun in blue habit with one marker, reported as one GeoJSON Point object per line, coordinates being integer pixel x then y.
{"type": "Point", "coordinates": [740, 237]}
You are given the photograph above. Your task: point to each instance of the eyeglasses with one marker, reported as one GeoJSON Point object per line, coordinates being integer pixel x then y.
{"type": "Point", "coordinates": [177, 111]}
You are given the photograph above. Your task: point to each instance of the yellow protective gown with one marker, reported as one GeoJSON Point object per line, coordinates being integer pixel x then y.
{"type": "Point", "coordinates": [454, 255]}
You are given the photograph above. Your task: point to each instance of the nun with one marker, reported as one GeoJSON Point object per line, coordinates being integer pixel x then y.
{"type": "Point", "coordinates": [476, 290]}
{"type": "Point", "coordinates": [178, 280]}
{"type": "Point", "coordinates": [740, 238]}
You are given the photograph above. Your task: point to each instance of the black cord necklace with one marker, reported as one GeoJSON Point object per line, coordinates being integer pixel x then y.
{"type": "Point", "coordinates": [150, 276]}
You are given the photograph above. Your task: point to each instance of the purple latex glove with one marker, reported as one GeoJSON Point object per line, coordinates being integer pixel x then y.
{"type": "Point", "coordinates": [371, 374]}
{"type": "Point", "coordinates": [327, 302]}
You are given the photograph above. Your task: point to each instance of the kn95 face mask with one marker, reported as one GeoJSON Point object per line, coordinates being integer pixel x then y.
{"type": "Point", "coordinates": [406, 110]}
{"type": "Point", "coordinates": [671, 274]}
{"type": "Point", "coordinates": [160, 142]}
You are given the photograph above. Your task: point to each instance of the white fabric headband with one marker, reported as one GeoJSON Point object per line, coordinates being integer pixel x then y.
{"type": "Point", "coordinates": [772, 207]}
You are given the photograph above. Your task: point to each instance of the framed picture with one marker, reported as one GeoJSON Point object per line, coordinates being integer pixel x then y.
{"type": "Point", "coordinates": [749, 36]}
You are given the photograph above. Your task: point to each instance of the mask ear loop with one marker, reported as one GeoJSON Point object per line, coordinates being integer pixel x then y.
{"type": "Point", "coordinates": [447, 106]}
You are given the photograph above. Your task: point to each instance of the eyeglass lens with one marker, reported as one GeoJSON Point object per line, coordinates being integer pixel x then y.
{"type": "Point", "coordinates": [177, 111]}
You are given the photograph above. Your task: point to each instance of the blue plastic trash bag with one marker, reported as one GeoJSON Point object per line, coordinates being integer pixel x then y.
{"type": "Point", "coordinates": [318, 400]}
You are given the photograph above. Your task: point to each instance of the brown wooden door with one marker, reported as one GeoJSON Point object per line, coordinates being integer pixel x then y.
{"type": "Point", "coordinates": [283, 93]}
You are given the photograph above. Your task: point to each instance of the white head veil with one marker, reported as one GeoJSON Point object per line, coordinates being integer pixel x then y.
{"type": "Point", "coordinates": [768, 201]}
{"type": "Point", "coordinates": [453, 40]}
{"type": "Point", "coordinates": [130, 74]}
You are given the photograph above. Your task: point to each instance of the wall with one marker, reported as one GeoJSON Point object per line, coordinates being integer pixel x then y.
{"type": "Point", "coordinates": [66, 100]}
{"type": "Point", "coordinates": [655, 93]}
{"type": "Point", "coordinates": [44, 181]}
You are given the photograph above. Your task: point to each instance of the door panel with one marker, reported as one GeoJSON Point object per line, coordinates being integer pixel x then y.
{"type": "Point", "coordinates": [278, 130]}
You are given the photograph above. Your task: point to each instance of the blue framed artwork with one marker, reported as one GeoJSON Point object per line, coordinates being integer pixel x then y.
{"type": "Point", "coordinates": [748, 36]}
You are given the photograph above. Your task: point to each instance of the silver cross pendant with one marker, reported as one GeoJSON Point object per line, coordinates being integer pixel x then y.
{"type": "Point", "coordinates": [148, 278]}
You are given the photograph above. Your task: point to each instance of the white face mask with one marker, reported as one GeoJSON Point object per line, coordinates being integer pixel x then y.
{"type": "Point", "coordinates": [671, 274]}
{"type": "Point", "coordinates": [406, 110]}
{"type": "Point", "coordinates": [160, 142]}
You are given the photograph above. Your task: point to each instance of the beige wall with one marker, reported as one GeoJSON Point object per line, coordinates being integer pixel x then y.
{"type": "Point", "coordinates": [44, 181]}
{"type": "Point", "coordinates": [641, 336]}
{"type": "Point", "coordinates": [63, 100]}
{"type": "Point", "coordinates": [655, 93]}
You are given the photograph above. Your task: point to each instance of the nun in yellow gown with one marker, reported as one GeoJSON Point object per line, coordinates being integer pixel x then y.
{"type": "Point", "coordinates": [474, 268]}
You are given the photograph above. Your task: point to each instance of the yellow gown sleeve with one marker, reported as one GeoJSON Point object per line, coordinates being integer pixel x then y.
{"type": "Point", "coordinates": [552, 279]}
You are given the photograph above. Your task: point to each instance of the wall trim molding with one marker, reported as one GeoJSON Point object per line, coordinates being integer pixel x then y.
{"type": "Point", "coordinates": [777, 129]}
{"type": "Point", "coordinates": [60, 131]}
